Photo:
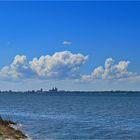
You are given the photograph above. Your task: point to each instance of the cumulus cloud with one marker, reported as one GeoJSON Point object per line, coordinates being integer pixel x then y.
{"type": "Point", "coordinates": [16, 69]}
{"type": "Point", "coordinates": [66, 65]}
{"type": "Point", "coordinates": [111, 71]}
{"type": "Point", "coordinates": [66, 42]}
{"type": "Point", "coordinates": [61, 65]}
{"type": "Point", "coordinates": [98, 72]}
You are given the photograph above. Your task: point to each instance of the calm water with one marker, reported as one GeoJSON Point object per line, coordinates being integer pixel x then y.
{"type": "Point", "coordinates": [45, 117]}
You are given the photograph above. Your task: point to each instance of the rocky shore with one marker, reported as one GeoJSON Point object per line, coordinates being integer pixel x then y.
{"type": "Point", "coordinates": [8, 132]}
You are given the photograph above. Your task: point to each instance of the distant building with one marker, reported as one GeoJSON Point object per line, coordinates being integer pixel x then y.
{"type": "Point", "coordinates": [39, 91]}
{"type": "Point", "coordinates": [53, 90]}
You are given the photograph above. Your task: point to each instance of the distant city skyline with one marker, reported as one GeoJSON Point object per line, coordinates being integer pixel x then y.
{"type": "Point", "coordinates": [71, 45]}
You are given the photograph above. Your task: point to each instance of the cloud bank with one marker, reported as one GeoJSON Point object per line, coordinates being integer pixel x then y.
{"type": "Point", "coordinates": [61, 65]}
{"type": "Point", "coordinates": [111, 71]}
{"type": "Point", "coordinates": [65, 66]}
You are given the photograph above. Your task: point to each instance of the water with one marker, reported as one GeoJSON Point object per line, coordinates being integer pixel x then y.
{"type": "Point", "coordinates": [58, 117]}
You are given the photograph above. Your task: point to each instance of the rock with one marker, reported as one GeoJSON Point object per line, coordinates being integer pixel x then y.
{"type": "Point", "coordinates": [8, 132]}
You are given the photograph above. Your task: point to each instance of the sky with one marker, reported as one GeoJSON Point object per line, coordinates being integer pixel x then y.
{"type": "Point", "coordinates": [72, 45]}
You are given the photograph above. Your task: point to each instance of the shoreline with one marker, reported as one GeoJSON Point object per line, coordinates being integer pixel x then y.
{"type": "Point", "coordinates": [74, 92]}
{"type": "Point", "coordinates": [8, 131]}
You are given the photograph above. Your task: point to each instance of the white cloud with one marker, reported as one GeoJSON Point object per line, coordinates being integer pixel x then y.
{"type": "Point", "coordinates": [97, 73]}
{"type": "Point", "coordinates": [111, 71]}
{"type": "Point", "coordinates": [16, 69]}
{"type": "Point", "coordinates": [66, 65]}
{"type": "Point", "coordinates": [66, 42]}
{"type": "Point", "coordinates": [108, 63]}
{"type": "Point", "coordinates": [61, 65]}
{"type": "Point", "coordinates": [19, 60]}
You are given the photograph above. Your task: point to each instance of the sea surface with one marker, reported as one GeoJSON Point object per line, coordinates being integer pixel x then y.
{"type": "Point", "coordinates": [74, 117]}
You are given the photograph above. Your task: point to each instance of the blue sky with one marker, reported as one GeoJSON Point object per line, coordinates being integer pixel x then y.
{"type": "Point", "coordinates": [99, 30]}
